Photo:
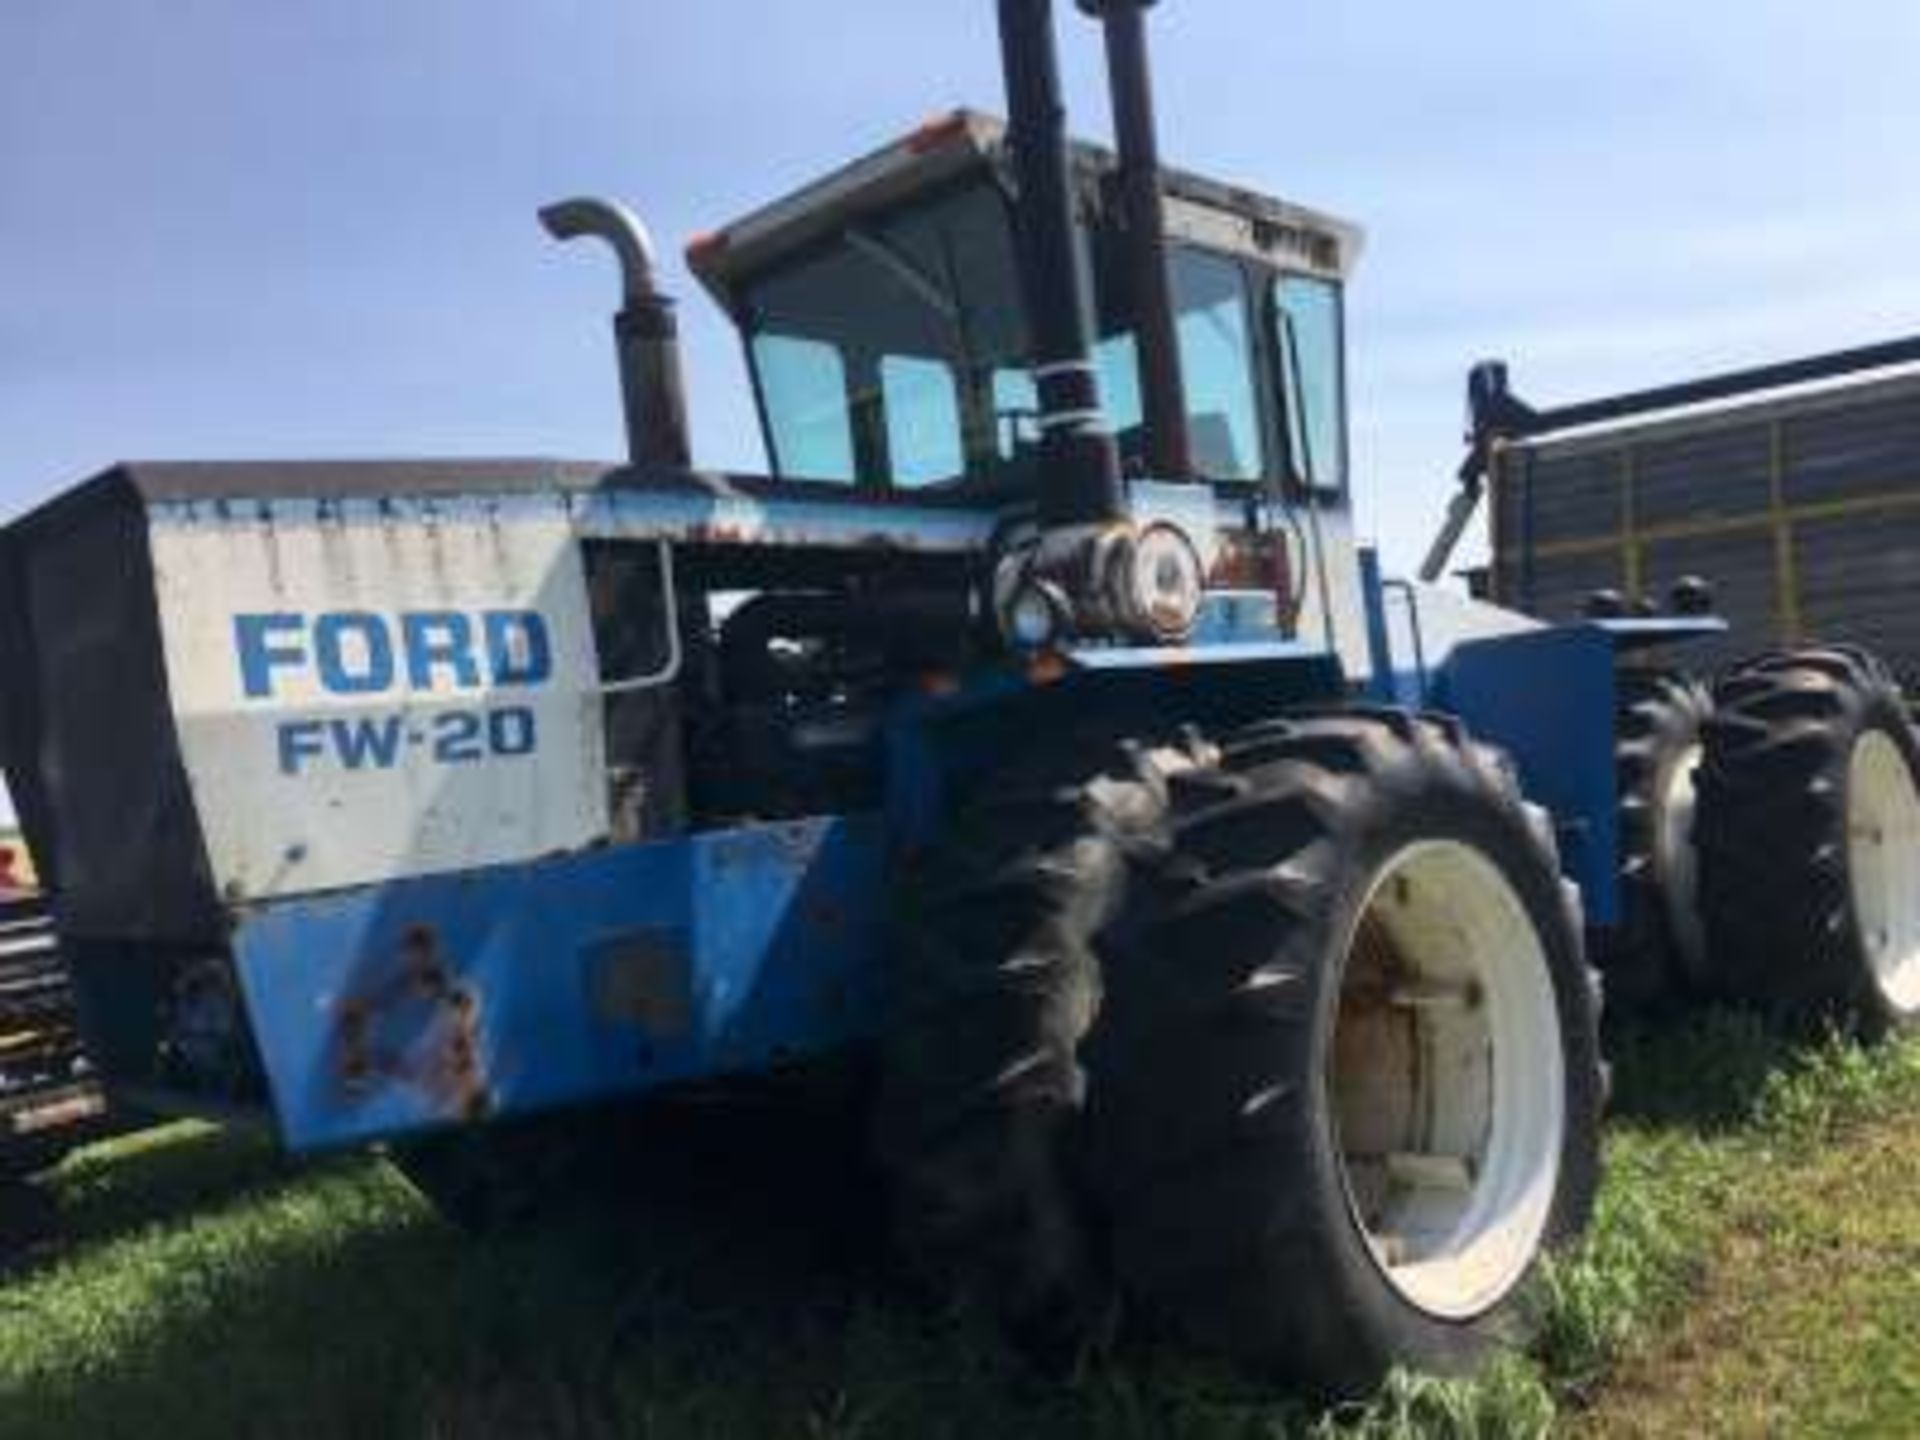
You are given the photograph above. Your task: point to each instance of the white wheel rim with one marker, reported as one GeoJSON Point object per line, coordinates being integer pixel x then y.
{"type": "Point", "coordinates": [1678, 868]}
{"type": "Point", "coordinates": [1446, 1080]}
{"type": "Point", "coordinates": [1883, 866]}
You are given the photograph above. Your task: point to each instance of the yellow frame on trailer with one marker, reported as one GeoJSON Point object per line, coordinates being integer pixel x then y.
{"type": "Point", "coordinates": [1629, 543]}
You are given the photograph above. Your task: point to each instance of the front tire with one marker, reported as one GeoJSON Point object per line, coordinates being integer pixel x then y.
{"type": "Point", "coordinates": [1348, 1087]}
{"type": "Point", "coordinates": [1809, 836]}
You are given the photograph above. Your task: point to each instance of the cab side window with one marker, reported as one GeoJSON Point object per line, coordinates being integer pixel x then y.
{"type": "Point", "coordinates": [1216, 354]}
{"type": "Point", "coordinates": [922, 408]}
{"type": "Point", "coordinates": [1307, 311]}
{"type": "Point", "coordinates": [803, 387]}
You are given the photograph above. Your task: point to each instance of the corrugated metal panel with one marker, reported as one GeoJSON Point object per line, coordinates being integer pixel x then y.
{"type": "Point", "coordinates": [1858, 581]}
{"type": "Point", "coordinates": [1550, 499]}
{"type": "Point", "coordinates": [1865, 449]}
{"type": "Point", "coordinates": [1719, 473]}
{"type": "Point", "coordinates": [1741, 568]}
{"type": "Point", "coordinates": [1559, 585]}
{"type": "Point", "coordinates": [1504, 504]}
{"type": "Point", "coordinates": [1835, 553]}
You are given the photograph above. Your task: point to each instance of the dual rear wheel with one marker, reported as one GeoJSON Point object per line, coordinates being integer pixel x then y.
{"type": "Point", "coordinates": [1346, 1090]}
{"type": "Point", "coordinates": [1809, 841]}
{"type": "Point", "coordinates": [1283, 1038]}
{"type": "Point", "coordinates": [1770, 843]}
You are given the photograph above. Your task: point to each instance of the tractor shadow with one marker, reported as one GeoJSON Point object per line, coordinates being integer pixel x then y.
{"type": "Point", "coordinates": [1704, 1073]}
{"type": "Point", "coordinates": [724, 1274]}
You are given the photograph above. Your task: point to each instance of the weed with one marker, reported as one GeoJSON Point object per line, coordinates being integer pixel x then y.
{"type": "Point", "coordinates": [1836, 1086]}
{"type": "Point", "coordinates": [1506, 1401]}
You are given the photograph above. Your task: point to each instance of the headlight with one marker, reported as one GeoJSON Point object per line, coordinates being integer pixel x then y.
{"type": "Point", "coordinates": [1156, 584]}
{"type": "Point", "coordinates": [1109, 582]}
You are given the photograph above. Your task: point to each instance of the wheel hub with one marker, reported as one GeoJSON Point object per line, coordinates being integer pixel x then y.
{"type": "Point", "coordinates": [1883, 866]}
{"type": "Point", "coordinates": [1447, 1080]}
{"type": "Point", "coordinates": [1678, 860]}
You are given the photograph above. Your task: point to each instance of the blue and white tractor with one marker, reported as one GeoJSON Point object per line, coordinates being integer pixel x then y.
{"type": "Point", "coordinates": [1209, 911]}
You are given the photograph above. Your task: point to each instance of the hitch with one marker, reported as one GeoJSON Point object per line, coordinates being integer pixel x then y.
{"type": "Point", "coordinates": [1494, 413]}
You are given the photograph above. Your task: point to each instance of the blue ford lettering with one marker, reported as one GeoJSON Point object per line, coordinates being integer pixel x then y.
{"type": "Point", "coordinates": [363, 653]}
{"type": "Point", "coordinates": [360, 652]}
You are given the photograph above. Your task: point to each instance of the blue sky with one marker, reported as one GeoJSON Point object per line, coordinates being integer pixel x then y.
{"type": "Point", "coordinates": [233, 227]}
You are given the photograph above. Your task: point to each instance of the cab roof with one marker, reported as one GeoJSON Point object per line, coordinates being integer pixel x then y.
{"type": "Point", "coordinates": [1204, 212]}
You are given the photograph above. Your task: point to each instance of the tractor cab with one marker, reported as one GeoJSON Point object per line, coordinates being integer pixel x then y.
{"type": "Point", "coordinates": [890, 349]}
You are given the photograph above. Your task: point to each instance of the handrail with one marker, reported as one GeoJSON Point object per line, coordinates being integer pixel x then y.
{"type": "Point", "coordinates": [668, 672]}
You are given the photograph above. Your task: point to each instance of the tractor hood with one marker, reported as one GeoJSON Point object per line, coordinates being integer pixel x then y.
{"type": "Point", "coordinates": [184, 643]}
{"type": "Point", "coordinates": [234, 682]}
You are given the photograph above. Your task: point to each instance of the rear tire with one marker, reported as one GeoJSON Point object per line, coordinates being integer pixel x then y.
{"type": "Point", "coordinates": [1347, 1089]}
{"type": "Point", "coordinates": [1657, 954]}
{"type": "Point", "coordinates": [1809, 835]}
{"type": "Point", "coordinates": [994, 982]}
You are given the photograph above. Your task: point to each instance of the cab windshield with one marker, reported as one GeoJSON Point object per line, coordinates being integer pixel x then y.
{"type": "Point", "coordinates": [891, 357]}
{"type": "Point", "coordinates": [895, 357]}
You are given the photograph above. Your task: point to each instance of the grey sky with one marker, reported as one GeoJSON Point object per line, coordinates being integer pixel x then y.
{"type": "Point", "coordinates": [244, 227]}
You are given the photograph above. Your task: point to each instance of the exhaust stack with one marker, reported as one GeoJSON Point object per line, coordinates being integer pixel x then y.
{"type": "Point", "coordinates": [646, 335]}
{"type": "Point", "coordinates": [1078, 457]}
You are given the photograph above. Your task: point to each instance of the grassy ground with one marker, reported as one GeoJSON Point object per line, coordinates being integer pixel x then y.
{"type": "Point", "coordinates": [1755, 1268]}
{"type": "Point", "coordinates": [1809, 1321]}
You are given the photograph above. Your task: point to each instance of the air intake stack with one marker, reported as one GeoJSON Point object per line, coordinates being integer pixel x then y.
{"type": "Point", "coordinates": [1143, 220]}
{"type": "Point", "coordinates": [1093, 574]}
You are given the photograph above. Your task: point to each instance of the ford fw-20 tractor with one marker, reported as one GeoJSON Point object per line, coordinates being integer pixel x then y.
{"type": "Point", "coordinates": [1210, 913]}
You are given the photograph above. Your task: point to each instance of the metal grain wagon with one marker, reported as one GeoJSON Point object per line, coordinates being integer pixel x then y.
{"type": "Point", "coordinates": [1794, 488]}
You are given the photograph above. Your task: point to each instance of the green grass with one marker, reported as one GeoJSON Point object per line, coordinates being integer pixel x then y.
{"type": "Point", "coordinates": [1719, 1128]}
{"type": "Point", "coordinates": [1809, 1321]}
{"type": "Point", "coordinates": [203, 1286]}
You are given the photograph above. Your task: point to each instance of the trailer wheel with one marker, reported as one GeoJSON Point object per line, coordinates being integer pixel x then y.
{"type": "Point", "coordinates": [1809, 834]}
{"type": "Point", "coordinates": [1347, 1089]}
{"type": "Point", "coordinates": [994, 980]}
{"type": "Point", "coordinates": [1658, 951]}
